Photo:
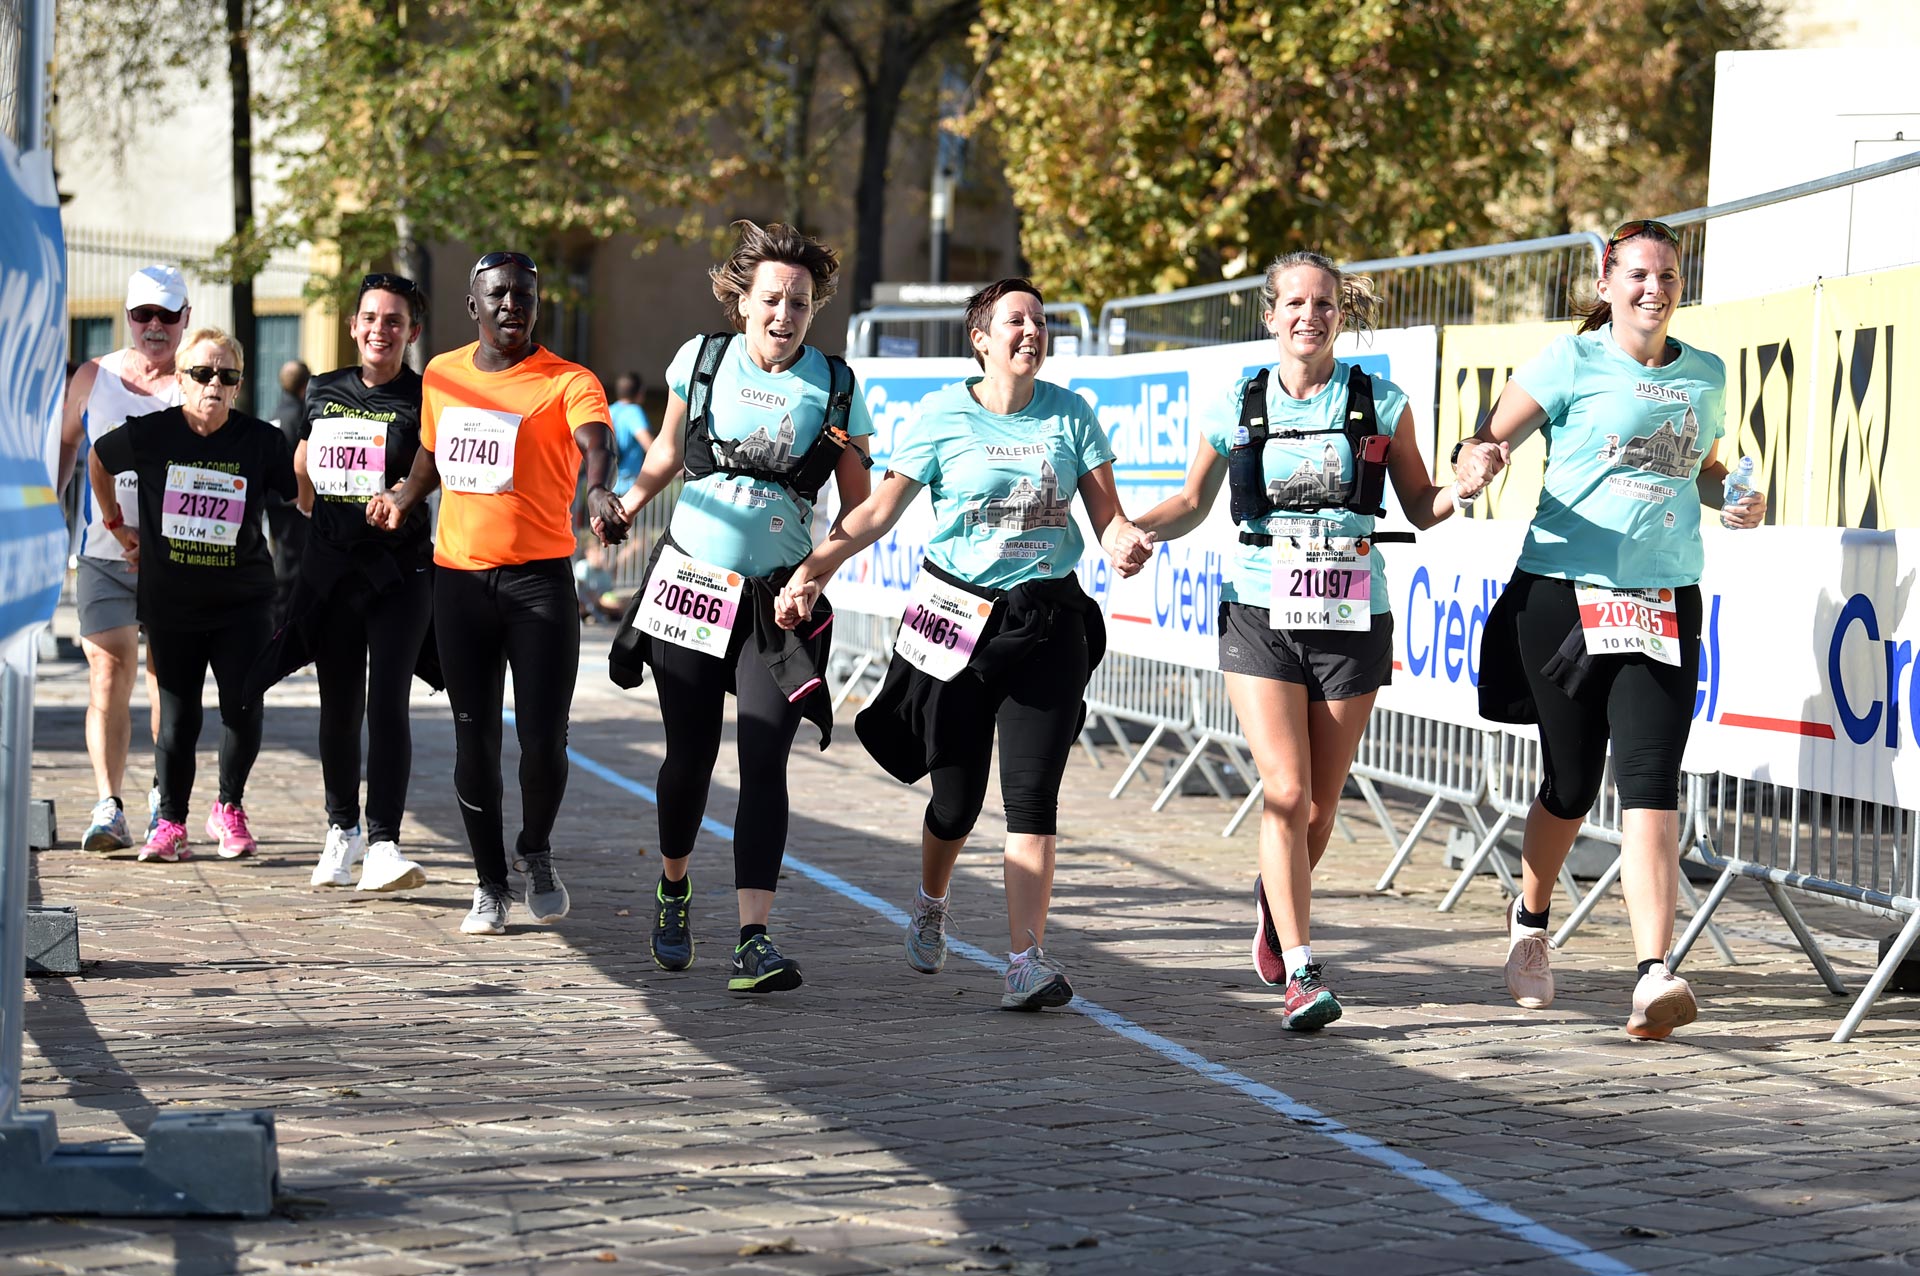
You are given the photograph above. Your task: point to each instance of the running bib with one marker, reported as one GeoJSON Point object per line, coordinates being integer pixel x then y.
{"type": "Point", "coordinates": [126, 489]}
{"type": "Point", "coordinates": [347, 457]}
{"type": "Point", "coordinates": [1321, 584]}
{"type": "Point", "coordinates": [476, 450]}
{"type": "Point", "coordinates": [940, 627]}
{"type": "Point", "coordinates": [1618, 622]}
{"type": "Point", "coordinates": [689, 603]}
{"type": "Point", "coordinates": [203, 506]}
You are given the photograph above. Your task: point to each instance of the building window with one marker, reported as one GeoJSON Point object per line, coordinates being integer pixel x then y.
{"type": "Point", "coordinates": [276, 341]}
{"type": "Point", "coordinates": [89, 338]}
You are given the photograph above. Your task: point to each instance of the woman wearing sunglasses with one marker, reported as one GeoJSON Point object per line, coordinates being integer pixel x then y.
{"type": "Point", "coordinates": [364, 595]}
{"type": "Point", "coordinates": [206, 584]}
{"type": "Point", "coordinates": [1597, 636]}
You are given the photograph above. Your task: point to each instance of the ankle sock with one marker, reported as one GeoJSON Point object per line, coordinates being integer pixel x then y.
{"type": "Point", "coordinates": [1536, 920]}
{"type": "Point", "coordinates": [675, 890]}
{"type": "Point", "coordinates": [1294, 958]}
{"type": "Point", "coordinates": [748, 932]}
{"type": "Point", "coordinates": [932, 899]}
{"type": "Point", "coordinates": [1650, 963]}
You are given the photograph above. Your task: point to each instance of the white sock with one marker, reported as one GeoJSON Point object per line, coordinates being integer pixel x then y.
{"type": "Point", "coordinates": [931, 899]}
{"type": "Point", "coordinates": [1295, 958]}
{"type": "Point", "coordinates": [1013, 957]}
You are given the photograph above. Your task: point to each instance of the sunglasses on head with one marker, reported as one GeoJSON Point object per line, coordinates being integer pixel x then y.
{"type": "Point", "coordinates": [388, 283]}
{"type": "Point", "coordinates": [144, 315]}
{"type": "Point", "coordinates": [205, 375]}
{"type": "Point", "coordinates": [1644, 226]}
{"type": "Point", "coordinates": [491, 260]}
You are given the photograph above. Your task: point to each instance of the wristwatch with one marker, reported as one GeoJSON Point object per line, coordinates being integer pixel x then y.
{"type": "Point", "coordinates": [1453, 458]}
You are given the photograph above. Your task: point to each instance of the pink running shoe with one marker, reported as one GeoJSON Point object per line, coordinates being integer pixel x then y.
{"type": "Point", "coordinates": [168, 842]}
{"type": "Point", "coordinates": [227, 824]}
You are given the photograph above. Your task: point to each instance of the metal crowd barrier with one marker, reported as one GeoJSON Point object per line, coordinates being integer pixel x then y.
{"type": "Point", "coordinates": [1851, 852]}
{"type": "Point", "coordinates": [942, 330]}
{"type": "Point", "coordinates": [1152, 693]}
{"type": "Point", "coordinates": [1441, 760]}
{"type": "Point", "coordinates": [649, 525]}
{"type": "Point", "coordinates": [862, 648]}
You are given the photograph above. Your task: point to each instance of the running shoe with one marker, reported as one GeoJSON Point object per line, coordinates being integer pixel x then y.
{"type": "Point", "coordinates": [227, 825]}
{"type": "Point", "coordinates": [1035, 980]}
{"type": "Point", "coordinates": [153, 808]}
{"type": "Point", "coordinates": [545, 894]}
{"type": "Point", "coordinates": [927, 934]}
{"type": "Point", "coordinates": [1309, 1005]}
{"type": "Point", "coordinates": [489, 913]}
{"type": "Point", "coordinates": [1529, 974]}
{"type": "Point", "coordinates": [1662, 1001]}
{"type": "Point", "coordinates": [107, 830]}
{"type": "Point", "coordinates": [343, 849]}
{"type": "Point", "coordinates": [387, 869]}
{"type": "Point", "coordinates": [759, 967]}
{"type": "Point", "coordinates": [1268, 960]}
{"type": "Point", "coordinates": [168, 842]}
{"type": "Point", "coordinates": [672, 934]}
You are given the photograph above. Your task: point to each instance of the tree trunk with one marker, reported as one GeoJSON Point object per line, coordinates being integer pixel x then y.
{"type": "Point", "coordinates": [803, 71]}
{"type": "Point", "coordinates": [882, 109]}
{"type": "Point", "coordinates": [242, 286]}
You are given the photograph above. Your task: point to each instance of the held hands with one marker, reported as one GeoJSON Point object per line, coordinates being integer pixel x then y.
{"type": "Point", "coordinates": [608, 516]}
{"type": "Point", "coordinates": [1749, 511]}
{"type": "Point", "coordinates": [384, 512]}
{"type": "Point", "coordinates": [795, 602]}
{"type": "Point", "coordinates": [1478, 464]}
{"type": "Point", "coordinates": [1127, 547]}
{"type": "Point", "coordinates": [130, 542]}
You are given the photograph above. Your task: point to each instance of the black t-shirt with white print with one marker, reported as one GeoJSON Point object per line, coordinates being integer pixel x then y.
{"type": "Point", "coordinates": [361, 440]}
{"type": "Point", "coordinates": [204, 560]}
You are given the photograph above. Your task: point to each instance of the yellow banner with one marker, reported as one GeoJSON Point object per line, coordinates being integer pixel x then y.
{"type": "Point", "coordinates": [1475, 363]}
{"type": "Point", "coordinates": [1866, 419]}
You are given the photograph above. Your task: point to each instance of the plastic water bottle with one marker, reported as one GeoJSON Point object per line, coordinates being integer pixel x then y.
{"type": "Point", "coordinates": [1739, 483]}
{"type": "Point", "coordinates": [1245, 475]}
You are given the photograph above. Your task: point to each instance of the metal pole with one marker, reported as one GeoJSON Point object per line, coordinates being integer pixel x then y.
{"type": "Point", "coordinates": [16, 750]}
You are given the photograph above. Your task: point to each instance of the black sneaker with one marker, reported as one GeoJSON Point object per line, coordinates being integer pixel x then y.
{"type": "Point", "coordinates": [759, 967]}
{"type": "Point", "coordinates": [672, 937]}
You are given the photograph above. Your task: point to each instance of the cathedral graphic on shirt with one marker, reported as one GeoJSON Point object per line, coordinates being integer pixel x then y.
{"type": "Point", "coordinates": [1311, 486]}
{"type": "Point", "coordinates": [1028, 507]}
{"type": "Point", "coordinates": [760, 450]}
{"type": "Point", "coordinates": [1667, 451]}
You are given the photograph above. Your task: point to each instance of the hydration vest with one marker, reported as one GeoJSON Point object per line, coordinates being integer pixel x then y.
{"type": "Point", "coordinates": [802, 476]}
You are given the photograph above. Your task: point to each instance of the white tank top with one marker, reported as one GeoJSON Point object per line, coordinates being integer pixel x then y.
{"type": "Point", "coordinates": [109, 406]}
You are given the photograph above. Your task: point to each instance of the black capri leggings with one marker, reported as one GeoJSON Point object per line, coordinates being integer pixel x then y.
{"type": "Point", "coordinates": [1644, 706]}
{"type": "Point", "coordinates": [1036, 707]}
{"type": "Point", "coordinates": [364, 654]}
{"type": "Point", "coordinates": [523, 616]}
{"type": "Point", "coordinates": [180, 660]}
{"type": "Point", "coordinates": [693, 700]}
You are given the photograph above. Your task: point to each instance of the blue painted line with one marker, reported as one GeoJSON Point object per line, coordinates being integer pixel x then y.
{"type": "Point", "coordinates": [1445, 1186]}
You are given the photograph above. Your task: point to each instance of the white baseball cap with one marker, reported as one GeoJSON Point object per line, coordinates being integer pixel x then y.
{"type": "Point", "coordinates": [161, 286]}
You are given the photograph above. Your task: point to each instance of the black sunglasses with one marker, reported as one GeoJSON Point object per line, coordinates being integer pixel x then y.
{"type": "Point", "coordinates": [206, 375]}
{"type": "Point", "coordinates": [492, 260]}
{"type": "Point", "coordinates": [144, 315]}
{"type": "Point", "coordinates": [388, 283]}
{"type": "Point", "coordinates": [1634, 230]}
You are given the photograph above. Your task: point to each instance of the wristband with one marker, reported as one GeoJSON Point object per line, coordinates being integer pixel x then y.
{"type": "Point", "coordinates": [114, 524]}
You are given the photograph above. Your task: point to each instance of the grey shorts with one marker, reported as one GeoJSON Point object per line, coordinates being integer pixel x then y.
{"type": "Point", "coordinates": [1330, 664]}
{"type": "Point", "coordinates": [104, 589]}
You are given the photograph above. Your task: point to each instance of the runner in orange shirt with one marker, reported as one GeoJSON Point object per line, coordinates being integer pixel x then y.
{"type": "Point", "coordinates": [503, 425]}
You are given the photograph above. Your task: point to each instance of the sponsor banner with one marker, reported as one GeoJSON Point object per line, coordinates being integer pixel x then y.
{"type": "Point", "coordinates": [33, 356]}
{"type": "Point", "coordinates": [1150, 406]}
{"type": "Point", "coordinates": [1864, 425]}
{"type": "Point", "coordinates": [1475, 363]}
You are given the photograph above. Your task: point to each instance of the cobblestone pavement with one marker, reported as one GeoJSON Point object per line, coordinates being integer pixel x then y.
{"type": "Point", "coordinates": [550, 1102]}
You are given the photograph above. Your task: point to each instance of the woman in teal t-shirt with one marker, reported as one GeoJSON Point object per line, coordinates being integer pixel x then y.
{"type": "Point", "coordinates": [744, 514]}
{"type": "Point", "coordinates": [1598, 633]}
{"type": "Point", "coordinates": [998, 633]}
{"type": "Point", "coordinates": [1302, 670]}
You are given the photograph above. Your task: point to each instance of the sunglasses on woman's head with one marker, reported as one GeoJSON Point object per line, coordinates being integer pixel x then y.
{"type": "Point", "coordinates": [144, 315]}
{"type": "Point", "coordinates": [205, 376]}
{"type": "Point", "coordinates": [1634, 230]}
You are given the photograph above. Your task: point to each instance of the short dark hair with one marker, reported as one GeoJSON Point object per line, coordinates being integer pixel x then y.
{"type": "Point", "coordinates": [980, 305]}
{"type": "Point", "coordinates": [779, 242]}
{"type": "Point", "coordinates": [627, 379]}
{"type": "Point", "coordinates": [399, 286]}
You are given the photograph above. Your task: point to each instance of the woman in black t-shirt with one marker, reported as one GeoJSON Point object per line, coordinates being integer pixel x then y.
{"type": "Point", "coordinates": [365, 595]}
{"type": "Point", "coordinates": [206, 596]}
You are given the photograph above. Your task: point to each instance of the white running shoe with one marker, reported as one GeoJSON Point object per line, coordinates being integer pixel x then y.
{"type": "Point", "coordinates": [387, 869]}
{"type": "Point", "coordinates": [1529, 971]}
{"type": "Point", "coordinates": [344, 849]}
{"type": "Point", "coordinates": [489, 913]}
{"type": "Point", "coordinates": [1662, 1001]}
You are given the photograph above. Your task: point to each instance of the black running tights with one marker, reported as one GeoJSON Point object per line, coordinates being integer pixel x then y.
{"type": "Point", "coordinates": [180, 660]}
{"type": "Point", "coordinates": [523, 617]}
{"type": "Point", "coordinates": [365, 651]}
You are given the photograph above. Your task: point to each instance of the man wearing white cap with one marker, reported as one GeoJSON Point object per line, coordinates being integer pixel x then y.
{"type": "Point", "coordinates": [104, 394]}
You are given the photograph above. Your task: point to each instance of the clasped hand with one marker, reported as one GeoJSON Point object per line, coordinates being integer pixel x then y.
{"type": "Point", "coordinates": [1478, 464]}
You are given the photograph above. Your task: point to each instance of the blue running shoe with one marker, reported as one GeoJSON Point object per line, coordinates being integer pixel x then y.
{"type": "Point", "coordinates": [107, 830]}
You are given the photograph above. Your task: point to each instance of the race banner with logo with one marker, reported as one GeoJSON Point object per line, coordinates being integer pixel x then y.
{"type": "Point", "coordinates": [33, 357]}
